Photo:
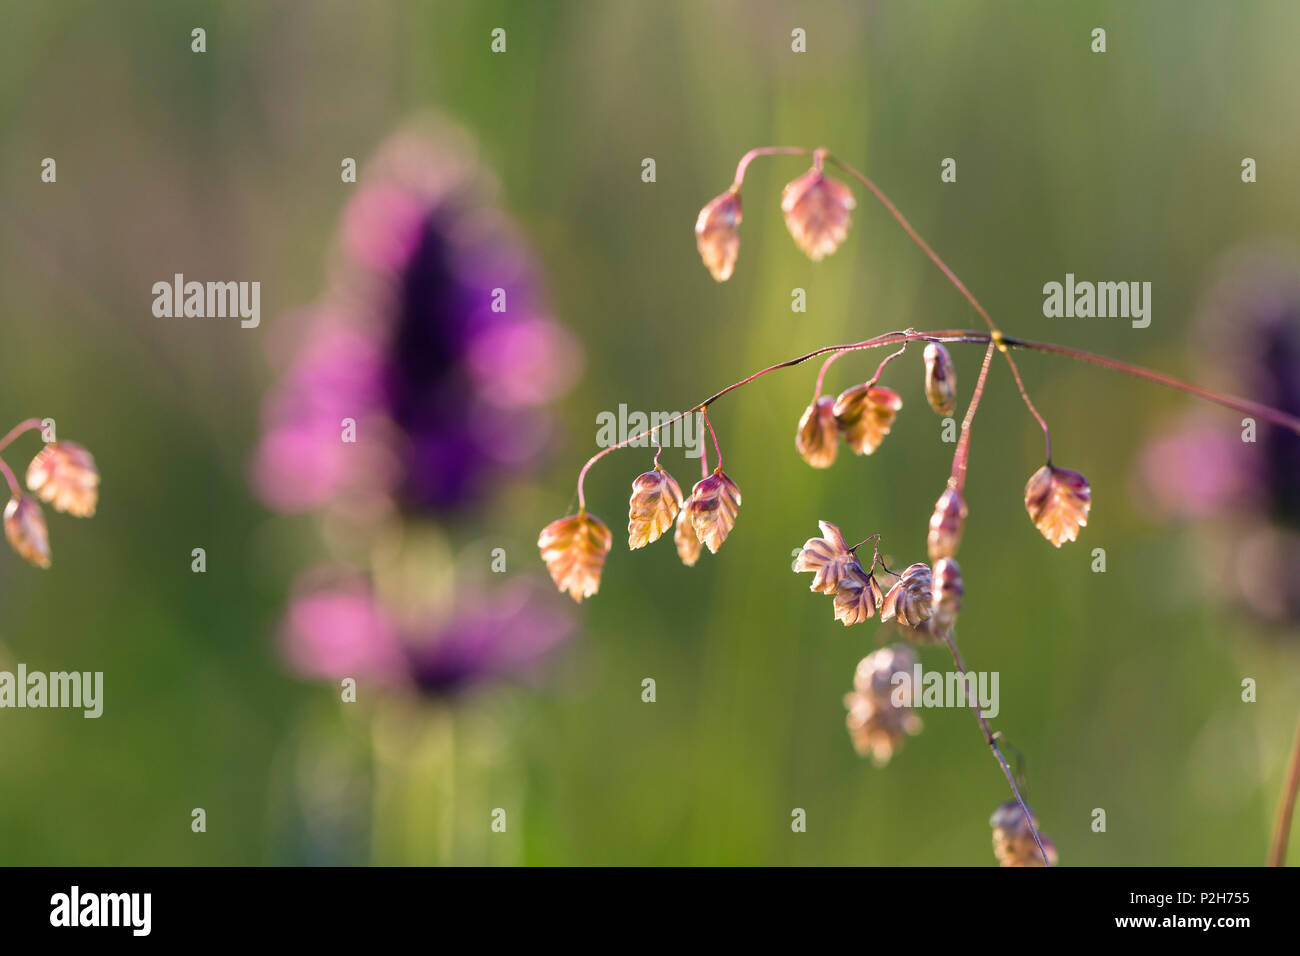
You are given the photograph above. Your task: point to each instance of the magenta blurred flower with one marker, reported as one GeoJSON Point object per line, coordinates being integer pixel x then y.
{"type": "Point", "coordinates": [433, 340]}
{"type": "Point", "coordinates": [343, 631]}
{"type": "Point", "coordinates": [1201, 466]}
{"type": "Point", "coordinates": [417, 384]}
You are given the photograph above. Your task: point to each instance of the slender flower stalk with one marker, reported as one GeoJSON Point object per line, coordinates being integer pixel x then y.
{"type": "Point", "coordinates": [1286, 807]}
{"type": "Point", "coordinates": [992, 740]}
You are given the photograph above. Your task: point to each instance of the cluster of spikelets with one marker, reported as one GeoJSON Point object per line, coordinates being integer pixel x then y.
{"type": "Point", "coordinates": [574, 547]}
{"type": "Point", "coordinates": [924, 599]}
{"type": "Point", "coordinates": [63, 474]}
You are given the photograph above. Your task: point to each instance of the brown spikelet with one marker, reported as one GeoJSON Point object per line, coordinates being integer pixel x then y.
{"type": "Point", "coordinates": [715, 500]}
{"type": "Point", "coordinates": [946, 524]}
{"type": "Point", "coordinates": [1013, 840]}
{"type": "Point", "coordinates": [817, 213]}
{"type": "Point", "coordinates": [1058, 501]}
{"type": "Point", "coordinates": [940, 379]}
{"type": "Point", "coordinates": [857, 597]}
{"type": "Point", "coordinates": [684, 536]}
{"type": "Point", "coordinates": [25, 528]}
{"type": "Point", "coordinates": [656, 499]}
{"type": "Point", "coordinates": [878, 723]}
{"type": "Point", "coordinates": [829, 558]}
{"type": "Point", "coordinates": [910, 598]}
{"type": "Point", "coordinates": [865, 413]}
{"type": "Point", "coordinates": [818, 437]}
{"type": "Point", "coordinates": [717, 235]}
{"type": "Point", "coordinates": [574, 549]}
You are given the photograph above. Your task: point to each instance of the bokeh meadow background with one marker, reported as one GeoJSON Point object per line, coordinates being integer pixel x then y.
{"type": "Point", "coordinates": [1122, 690]}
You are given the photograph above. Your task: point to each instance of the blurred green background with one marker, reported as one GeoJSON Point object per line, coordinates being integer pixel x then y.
{"type": "Point", "coordinates": [1122, 689]}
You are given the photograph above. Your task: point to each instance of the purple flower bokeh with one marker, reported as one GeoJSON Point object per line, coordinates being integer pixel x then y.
{"type": "Point", "coordinates": [432, 346]}
{"type": "Point", "coordinates": [1200, 467]}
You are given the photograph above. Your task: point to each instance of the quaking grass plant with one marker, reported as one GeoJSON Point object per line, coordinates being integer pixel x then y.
{"type": "Point", "coordinates": [924, 599]}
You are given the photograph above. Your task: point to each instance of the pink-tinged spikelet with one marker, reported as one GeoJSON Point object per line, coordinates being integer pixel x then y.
{"type": "Point", "coordinates": [817, 213]}
{"type": "Point", "coordinates": [865, 413]}
{"type": "Point", "coordinates": [1013, 840]}
{"type": "Point", "coordinates": [656, 499]}
{"type": "Point", "coordinates": [64, 474]}
{"type": "Point", "coordinates": [818, 437]}
{"type": "Point", "coordinates": [1058, 501]}
{"type": "Point", "coordinates": [857, 597]}
{"type": "Point", "coordinates": [946, 524]}
{"type": "Point", "coordinates": [574, 549]}
{"type": "Point", "coordinates": [947, 593]}
{"type": "Point", "coordinates": [910, 598]}
{"type": "Point", "coordinates": [25, 529]}
{"type": "Point", "coordinates": [828, 558]}
{"type": "Point", "coordinates": [684, 536]}
{"type": "Point", "coordinates": [714, 503]}
{"type": "Point", "coordinates": [940, 379]}
{"type": "Point", "coordinates": [879, 724]}
{"type": "Point", "coordinates": [717, 235]}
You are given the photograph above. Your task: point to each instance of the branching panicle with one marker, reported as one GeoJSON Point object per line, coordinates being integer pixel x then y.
{"type": "Point", "coordinates": [924, 600]}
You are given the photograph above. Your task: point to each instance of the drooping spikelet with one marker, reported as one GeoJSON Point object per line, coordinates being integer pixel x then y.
{"type": "Point", "coordinates": [910, 598]}
{"type": "Point", "coordinates": [865, 413]}
{"type": "Point", "coordinates": [717, 235]}
{"type": "Point", "coordinates": [857, 597]}
{"type": "Point", "coordinates": [1013, 840]}
{"type": "Point", "coordinates": [64, 474]}
{"type": "Point", "coordinates": [817, 213]}
{"type": "Point", "coordinates": [818, 437]}
{"type": "Point", "coordinates": [25, 529]}
{"type": "Point", "coordinates": [574, 549]}
{"type": "Point", "coordinates": [1058, 501]}
{"type": "Point", "coordinates": [684, 536]}
{"type": "Point", "coordinates": [947, 592]}
{"type": "Point", "coordinates": [656, 499]}
{"type": "Point", "coordinates": [940, 379]}
{"type": "Point", "coordinates": [713, 506]}
{"type": "Point", "coordinates": [879, 724]}
{"type": "Point", "coordinates": [946, 524]}
{"type": "Point", "coordinates": [828, 558]}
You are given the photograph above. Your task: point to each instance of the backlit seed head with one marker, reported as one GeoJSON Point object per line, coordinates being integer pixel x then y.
{"type": "Point", "coordinates": [817, 213]}
{"type": "Point", "coordinates": [714, 503]}
{"type": "Point", "coordinates": [857, 597]}
{"type": "Point", "coordinates": [940, 379]}
{"type": "Point", "coordinates": [946, 524]}
{"type": "Point", "coordinates": [1058, 501]}
{"type": "Point", "coordinates": [25, 529]}
{"type": "Point", "coordinates": [877, 726]}
{"type": "Point", "coordinates": [818, 437]}
{"type": "Point", "coordinates": [64, 474]}
{"type": "Point", "coordinates": [1013, 840]}
{"type": "Point", "coordinates": [865, 413]}
{"type": "Point", "coordinates": [947, 593]}
{"type": "Point", "coordinates": [684, 536]}
{"type": "Point", "coordinates": [829, 558]}
{"type": "Point", "coordinates": [717, 235]}
{"type": "Point", "coordinates": [909, 599]}
{"type": "Point", "coordinates": [655, 502]}
{"type": "Point", "coordinates": [574, 550]}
